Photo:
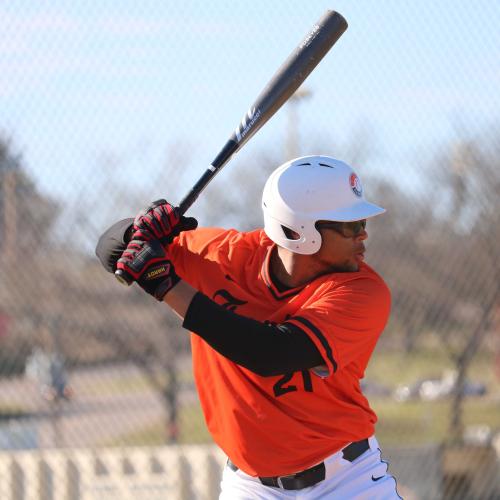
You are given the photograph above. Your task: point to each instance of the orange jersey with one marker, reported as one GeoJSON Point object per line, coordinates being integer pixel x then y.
{"type": "Point", "coordinates": [270, 426]}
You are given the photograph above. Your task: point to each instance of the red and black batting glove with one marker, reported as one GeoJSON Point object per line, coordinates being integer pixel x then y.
{"type": "Point", "coordinates": [161, 221]}
{"type": "Point", "coordinates": [147, 263]}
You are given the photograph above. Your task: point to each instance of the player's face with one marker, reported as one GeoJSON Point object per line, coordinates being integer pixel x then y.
{"type": "Point", "coordinates": [342, 247]}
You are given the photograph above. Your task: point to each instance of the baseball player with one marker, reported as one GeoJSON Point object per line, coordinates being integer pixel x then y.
{"type": "Point", "coordinates": [284, 320]}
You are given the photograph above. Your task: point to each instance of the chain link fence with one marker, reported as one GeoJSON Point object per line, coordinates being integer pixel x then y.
{"type": "Point", "coordinates": [105, 107]}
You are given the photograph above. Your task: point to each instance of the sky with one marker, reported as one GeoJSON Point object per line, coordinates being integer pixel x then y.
{"type": "Point", "coordinates": [86, 85]}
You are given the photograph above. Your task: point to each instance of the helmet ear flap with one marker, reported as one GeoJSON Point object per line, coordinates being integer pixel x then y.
{"type": "Point", "coordinates": [290, 234]}
{"type": "Point", "coordinates": [307, 242]}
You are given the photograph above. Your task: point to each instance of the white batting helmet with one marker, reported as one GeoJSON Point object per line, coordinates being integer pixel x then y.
{"type": "Point", "coordinates": [308, 189]}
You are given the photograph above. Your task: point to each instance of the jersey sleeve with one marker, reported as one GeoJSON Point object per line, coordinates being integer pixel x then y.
{"type": "Point", "coordinates": [345, 322]}
{"type": "Point", "coordinates": [193, 247]}
{"type": "Point", "coordinates": [196, 254]}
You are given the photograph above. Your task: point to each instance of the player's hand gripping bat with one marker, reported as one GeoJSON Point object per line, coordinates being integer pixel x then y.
{"type": "Point", "coordinates": [283, 84]}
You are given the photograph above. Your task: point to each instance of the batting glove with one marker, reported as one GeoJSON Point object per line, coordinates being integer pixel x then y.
{"type": "Point", "coordinates": [147, 263]}
{"type": "Point", "coordinates": [161, 221]}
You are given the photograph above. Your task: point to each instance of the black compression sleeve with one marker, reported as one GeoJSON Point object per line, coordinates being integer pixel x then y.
{"type": "Point", "coordinates": [264, 349]}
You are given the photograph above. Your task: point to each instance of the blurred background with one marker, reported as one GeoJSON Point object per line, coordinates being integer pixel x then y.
{"type": "Point", "coordinates": [106, 106]}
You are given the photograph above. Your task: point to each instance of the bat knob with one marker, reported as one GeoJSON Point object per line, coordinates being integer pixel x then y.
{"type": "Point", "coordinates": [123, 277]}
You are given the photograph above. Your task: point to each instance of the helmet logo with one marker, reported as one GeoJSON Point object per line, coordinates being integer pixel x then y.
{"type": "Point", "coordinates": [355, 185]}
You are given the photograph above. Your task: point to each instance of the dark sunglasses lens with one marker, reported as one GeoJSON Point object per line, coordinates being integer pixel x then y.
{"type": "Point", "coordinates": [346, 229]}
{"type": "Point", "coordinates": [354, 228]}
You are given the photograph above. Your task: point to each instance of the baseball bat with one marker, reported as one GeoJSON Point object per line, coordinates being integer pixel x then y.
{"type": "Point", "coordinates": [292, 73]}
{"type": "Point", "coordinates": [280, 88]}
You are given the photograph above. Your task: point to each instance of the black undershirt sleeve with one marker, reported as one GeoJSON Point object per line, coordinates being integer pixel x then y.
{"type": "Point", "coordinates": [263, 348]}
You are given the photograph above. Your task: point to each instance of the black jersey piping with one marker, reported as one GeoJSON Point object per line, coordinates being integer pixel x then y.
{"type": "Point", "coordinates": [319, 336]}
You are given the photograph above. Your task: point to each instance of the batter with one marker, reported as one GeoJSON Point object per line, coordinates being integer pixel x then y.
{"type": "Point", "coordinates": [284, 320]}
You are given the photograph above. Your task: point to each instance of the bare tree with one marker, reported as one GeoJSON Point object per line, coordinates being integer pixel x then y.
{"type": "Point", "coordinates": [26, 215]}
{"type": "Point", "coordinates": [474, 177]}
{"type": "Point", "coordinates": [438, 249]}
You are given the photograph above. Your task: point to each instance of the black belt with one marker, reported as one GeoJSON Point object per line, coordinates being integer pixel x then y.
{"type": "Point", "coordinates": [310, 477]}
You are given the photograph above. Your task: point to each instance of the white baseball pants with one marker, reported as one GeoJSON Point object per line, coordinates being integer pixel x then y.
{"type": "Point", "coordinates": [366, 478]}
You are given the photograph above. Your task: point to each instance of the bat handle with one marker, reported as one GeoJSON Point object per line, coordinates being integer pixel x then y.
{"type": "Point", "coordinates": [195, 191]}
{"type": "Point", "coordinates": [221, 159]}
{"type": "Point", "coordinates": [123, 277]}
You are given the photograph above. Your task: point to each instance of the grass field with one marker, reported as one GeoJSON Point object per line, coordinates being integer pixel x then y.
{"type": "Point", "coordinates": [393, 368]}
{"type": "Point", "coordinates": [419, 422]}
{"type": "Point", "coordinates": [422, 422]}
{"type": "Point", "coordinates": [192, 431]}
{"type": "Point", "coordinates": [411, 422]}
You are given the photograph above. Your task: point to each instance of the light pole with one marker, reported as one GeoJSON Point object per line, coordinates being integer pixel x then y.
{"type": "Point", "coordinates": [292, 146]}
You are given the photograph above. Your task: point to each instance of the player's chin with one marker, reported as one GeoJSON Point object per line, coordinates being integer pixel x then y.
{"type": "Point", "coordinates": [349, 266]}
{"type": "Point", "coordinates": [353, 265]}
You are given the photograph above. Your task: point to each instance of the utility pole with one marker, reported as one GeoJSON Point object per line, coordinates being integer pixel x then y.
{"type": "Point", "coordinates": [9, 236]}
{"type": "Point", "coordinates": [292, 147]}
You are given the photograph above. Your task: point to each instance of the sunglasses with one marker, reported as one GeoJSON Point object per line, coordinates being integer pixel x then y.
{"type": "Point", "coordinates": [346, 229]}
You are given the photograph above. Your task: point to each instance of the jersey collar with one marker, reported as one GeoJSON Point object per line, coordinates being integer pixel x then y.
{"type": "Point", "coordinates": [266, 275]}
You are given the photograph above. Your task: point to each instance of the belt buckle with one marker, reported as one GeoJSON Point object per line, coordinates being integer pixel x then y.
{"type": "Point", "coordinates": [280, 482]}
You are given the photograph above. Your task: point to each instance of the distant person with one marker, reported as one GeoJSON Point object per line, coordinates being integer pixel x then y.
{"type": "Point", "coordinates": [48, 369]}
